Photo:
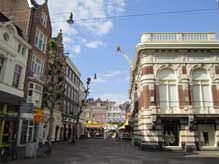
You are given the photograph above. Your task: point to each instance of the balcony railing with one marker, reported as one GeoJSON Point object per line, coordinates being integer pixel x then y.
{"type": "Point", "coordinates": [186, 109]}
{"type": "Point", "coordinates": [40, 76]}
{"type": "Point", "coordinates": [178, 37]}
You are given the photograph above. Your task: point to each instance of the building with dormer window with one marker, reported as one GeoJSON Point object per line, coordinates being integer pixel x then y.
{"type": "Point", "coordinates": [32, 17]}
{"type": "Point", "coordinates": [13, 62]}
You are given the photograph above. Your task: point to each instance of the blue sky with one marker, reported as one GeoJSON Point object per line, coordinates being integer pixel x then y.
{"type": "Point", "coordinates": [92, 43]}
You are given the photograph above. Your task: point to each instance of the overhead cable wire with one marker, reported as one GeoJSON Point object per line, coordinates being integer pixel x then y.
{"type": "Point", "coordinates": [144, 14]}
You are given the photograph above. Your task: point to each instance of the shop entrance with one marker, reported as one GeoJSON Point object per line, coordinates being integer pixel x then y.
{"type": "Point", "coordinates": [170, 133]}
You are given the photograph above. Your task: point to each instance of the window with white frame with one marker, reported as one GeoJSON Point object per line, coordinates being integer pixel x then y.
{"type": "Point", "coordinates": [35, 94]}
{"type": "Point", "coordinates": [37, 66]}
{"type": "Point", "coordinates": [17, 76]}
{"type": "Point", "coordinates": [2, 61]}
{"type": "Point", "coordinates": [43, 19]}
{"type": "Point", "coordinates": [202, 96]}
{"type": "Point", "coordinates": [168, 91]}
{"type": "Point", "coordinates": [28, 132]}
{"type": "Point", "coordinates": [40, 40]}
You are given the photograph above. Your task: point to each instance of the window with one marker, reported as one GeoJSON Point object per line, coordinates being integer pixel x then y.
{"type": "Point", "coordinates": [19, 48]}
{"type": "Point", "coordinates": [2, 60]}
{"type": "Point", "coordinates": [37, 66]}
{"type": "Point", "coordinates": [168, 91]}
{"type": "Point", "coordinates": [43, 19]}
{"type": "Point", "coordinates": [201, 90]}
{"type": "Point", "coordinates": [64, 107]}
{"type": "Point", "coordinates": [35, 94]}
{"type": "Point", "coordinates": [87, 115]}
{"type": "Point", "coordinates": [17, 76]}
{"type": "Point", "coordinates": [40, 40]}
{"type": "Point", "coordinates": [6, 36]}
{"type": "Point", "coordinates": [28, 132]}
{"type": "Point", "coordinates": [66, 71]}
{"type": "Point", "coordinates": [23, 51]}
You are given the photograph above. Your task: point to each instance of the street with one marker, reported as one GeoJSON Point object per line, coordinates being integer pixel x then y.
{"type": "Point", "coordinates": [99, 151]}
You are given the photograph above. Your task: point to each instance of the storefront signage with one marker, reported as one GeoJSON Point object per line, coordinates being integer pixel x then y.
{"type": "Point", "coordinates": [38, 115]}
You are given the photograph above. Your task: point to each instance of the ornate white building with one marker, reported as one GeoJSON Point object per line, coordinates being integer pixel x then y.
{"type": "Point", "coordinates": [13, 61]}
{"type": "Point", "coordinates": [174, 91]}
{"type": "Point", "coordinates": [115, 114]}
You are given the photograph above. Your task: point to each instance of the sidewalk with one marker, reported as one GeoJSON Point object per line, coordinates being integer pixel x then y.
{"type": "Point", "coordinates": [57, 147]}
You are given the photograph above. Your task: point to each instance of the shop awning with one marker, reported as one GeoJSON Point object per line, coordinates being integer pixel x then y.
{"type": "Point", "coordinates": [125, 124]}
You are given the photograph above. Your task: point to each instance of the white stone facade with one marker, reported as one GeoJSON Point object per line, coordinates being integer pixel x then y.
{"type": "Point", "coordinates": [115, 114]}
{"type": "Point", "coordinates": [13, 53]}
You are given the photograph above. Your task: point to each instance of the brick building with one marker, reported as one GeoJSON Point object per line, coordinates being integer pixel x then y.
{"type": "Point", "coordinates": [174, 91]}
{"type": "Point", "coordinates": [95, 115]}
{"type": "Point", "coordinates": [34, 20]}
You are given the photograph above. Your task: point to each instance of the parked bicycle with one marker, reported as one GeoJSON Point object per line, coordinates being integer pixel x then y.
{"type": "Point", "coordinates": [8, 152]}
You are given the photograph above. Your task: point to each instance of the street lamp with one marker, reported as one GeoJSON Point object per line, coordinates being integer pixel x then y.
{"type": "Point", "coordinates": [70, 19]}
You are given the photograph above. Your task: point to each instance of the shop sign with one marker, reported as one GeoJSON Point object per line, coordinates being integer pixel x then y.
{"type": "Point", "coordinates": [38, 115]}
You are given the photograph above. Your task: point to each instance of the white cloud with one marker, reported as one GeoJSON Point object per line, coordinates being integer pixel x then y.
{"type": "Point", "coordinates": [98, 80]}
{"type": "Point", "coordinates": [84, 12]}
{"type": "Point", "coordinates": [104, 27]}
{"type": "Point", "coordinates": [112, 73]}
{"type": "Point", "coordinates": [114, 7]}
{"type": "Point", "coordinates": [94, 44]}
{"type": "Point", "coordinates": [77, 49]}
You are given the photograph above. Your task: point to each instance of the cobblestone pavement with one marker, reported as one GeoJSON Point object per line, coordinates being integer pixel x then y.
{"type": "Point", "coordinates": [99, 151]}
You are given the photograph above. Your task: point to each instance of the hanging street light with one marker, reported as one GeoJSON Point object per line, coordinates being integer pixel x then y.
{"type": "Point", "coordinates": [70, 19]}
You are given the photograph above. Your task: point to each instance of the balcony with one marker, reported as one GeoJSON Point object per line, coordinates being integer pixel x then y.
{"type": "Point", "coordinates": [151, 37]}
{"type": "Point", "coordinates": [36, 76]}
{"type": "Point", "coordinates": [186, 110]}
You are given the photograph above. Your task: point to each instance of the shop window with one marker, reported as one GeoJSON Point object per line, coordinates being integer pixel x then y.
{"type": "Point", "coordinates": [28, 132]}
{"type": "Point", "coordinates": [170, 133]}
{"type": "Point", "coordinates": [206, 134]}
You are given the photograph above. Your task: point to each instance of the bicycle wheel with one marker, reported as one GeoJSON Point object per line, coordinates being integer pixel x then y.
{"type": "Point", "coordinates": [4, 154]}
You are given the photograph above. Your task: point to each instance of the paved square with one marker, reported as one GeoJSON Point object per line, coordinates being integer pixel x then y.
{"type": "Point", "coordinates": [99, 151]}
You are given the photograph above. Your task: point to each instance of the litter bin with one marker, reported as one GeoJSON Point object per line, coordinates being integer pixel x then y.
{"type": "Point", "coordinates": [30, 150]}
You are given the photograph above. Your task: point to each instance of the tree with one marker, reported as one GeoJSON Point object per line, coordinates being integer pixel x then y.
{"type": "Point", "coordinates": [82, 104]}
{"type": "Point", "coordinates": [54, 88]}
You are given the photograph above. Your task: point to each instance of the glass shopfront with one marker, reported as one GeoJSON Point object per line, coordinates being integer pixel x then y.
{"type": "Point", "coordinates": [28, 131]}
{"type": "Point", "coordinates": [170, 133]}
{"type": "Point", "coordinates": [206, 135]}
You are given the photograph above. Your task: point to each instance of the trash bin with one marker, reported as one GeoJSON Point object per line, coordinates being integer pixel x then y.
{"type": "Point", "coordinates": [30, 150]}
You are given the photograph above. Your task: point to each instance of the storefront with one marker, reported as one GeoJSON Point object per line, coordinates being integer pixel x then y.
{"type": "Point", "coordinates": [8, 123]}
{"type": "Point", "coordinates": [27, 129]}
{"type": "Point", "coordinates": [170, 132]}
{"type": "Point", "coordinates": [57, 126]}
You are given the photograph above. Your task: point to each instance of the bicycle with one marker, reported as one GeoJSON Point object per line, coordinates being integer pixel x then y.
{"type": "Point", "coordinates": [8, 151]}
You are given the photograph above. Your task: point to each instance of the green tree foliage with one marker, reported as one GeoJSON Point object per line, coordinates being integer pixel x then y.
{"type": "Point", "coordinates": [54, 88]}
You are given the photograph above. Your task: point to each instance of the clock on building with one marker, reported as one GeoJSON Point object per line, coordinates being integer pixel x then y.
{"type": "Point", "coordinates": [40, 2]}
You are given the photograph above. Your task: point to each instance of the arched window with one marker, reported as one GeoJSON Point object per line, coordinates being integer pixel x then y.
{"type": "Point", "coordinates": [168, 91]}
{"type": "Point", "coordinates": [202, 96]}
